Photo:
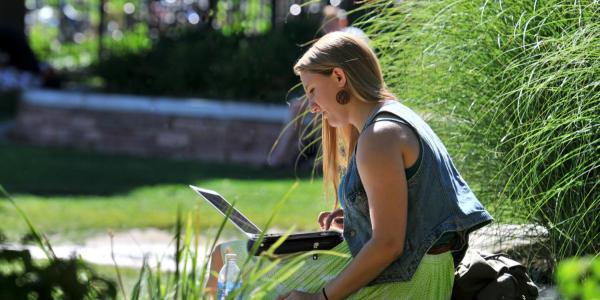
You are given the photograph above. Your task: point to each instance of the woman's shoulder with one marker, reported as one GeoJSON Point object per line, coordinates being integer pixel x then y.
{"type": "Point", "coordinates": [385, 134]}
{"type": "Point", "coordinates": [386, 138]}
{"type": "Point", "coordinates": [387, 128]}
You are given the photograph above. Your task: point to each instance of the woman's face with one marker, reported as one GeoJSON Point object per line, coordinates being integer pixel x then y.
{"type": "Point", "coordinates": [321, 91]}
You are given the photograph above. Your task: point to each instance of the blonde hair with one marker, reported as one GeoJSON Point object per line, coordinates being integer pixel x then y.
{"type": "Point", "coordinates": [364, 81]}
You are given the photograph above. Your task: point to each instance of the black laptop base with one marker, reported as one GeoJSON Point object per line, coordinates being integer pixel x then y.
{"type": "Point", "coordinates": [301, 242]}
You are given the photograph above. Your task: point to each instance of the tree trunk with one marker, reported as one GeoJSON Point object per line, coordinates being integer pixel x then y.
{"type": "Point", "coordinates": [101, 30]}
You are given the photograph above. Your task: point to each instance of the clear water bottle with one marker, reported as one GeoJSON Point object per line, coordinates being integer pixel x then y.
{"type": "Point", "coordinates": [228, 276]}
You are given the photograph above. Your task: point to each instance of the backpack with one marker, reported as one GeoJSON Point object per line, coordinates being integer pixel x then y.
{"type": "Point", "coordinates": [482, 275]}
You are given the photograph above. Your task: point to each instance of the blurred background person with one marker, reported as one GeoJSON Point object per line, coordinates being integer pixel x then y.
{"type": "Point", "coordinates": [336, 19]}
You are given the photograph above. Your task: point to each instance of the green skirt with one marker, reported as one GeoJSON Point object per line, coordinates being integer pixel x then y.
{"type": "Point", "coordinates": [433, 279]}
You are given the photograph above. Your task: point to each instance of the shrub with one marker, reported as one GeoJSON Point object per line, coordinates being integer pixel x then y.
{"type": "Point", "coordinates": [210, 64]}
{"type": "Point", "coordinates": [21, 278]}
{"type": "Point", "coordinates": [71, 56]}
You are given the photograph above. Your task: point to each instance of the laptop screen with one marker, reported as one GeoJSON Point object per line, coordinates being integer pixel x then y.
{"type": "Point", "coordinates": [237, 218]}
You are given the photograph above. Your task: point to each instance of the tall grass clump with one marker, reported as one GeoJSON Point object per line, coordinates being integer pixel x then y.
{"type": "Point", "coordinates": [519, 81]}
{"type": "Point", "coordinates": [261, 276]}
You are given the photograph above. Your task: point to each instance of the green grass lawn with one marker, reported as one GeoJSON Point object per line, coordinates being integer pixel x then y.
{"type": "Point", "coordinates": [72, 193]}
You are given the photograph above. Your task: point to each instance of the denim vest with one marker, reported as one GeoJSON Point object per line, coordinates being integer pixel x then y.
{"type": "Point", "coordinates": [439, 200]}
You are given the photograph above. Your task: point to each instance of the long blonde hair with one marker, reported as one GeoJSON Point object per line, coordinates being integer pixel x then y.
{"type": "Point", "coordinates": [364, 81]}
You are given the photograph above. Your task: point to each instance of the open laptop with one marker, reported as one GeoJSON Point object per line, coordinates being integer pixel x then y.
{"type": "Point", "coordinates": [318, 240]}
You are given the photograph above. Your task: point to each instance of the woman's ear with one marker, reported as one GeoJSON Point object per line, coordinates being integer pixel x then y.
{"type": "Point", "coordinates": [339, 76]}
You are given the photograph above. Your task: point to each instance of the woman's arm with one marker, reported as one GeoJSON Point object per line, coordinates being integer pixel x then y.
{"type": "Point", "coordinates": [381, 166]}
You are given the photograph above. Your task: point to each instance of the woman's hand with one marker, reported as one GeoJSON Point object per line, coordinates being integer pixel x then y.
{"type": "Point", "coordinates": [332, 219]}
{"type": "Point", "coordinates": [293, 295]}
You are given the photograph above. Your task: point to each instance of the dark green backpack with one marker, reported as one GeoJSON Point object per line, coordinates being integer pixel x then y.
{"type": "Point", "coordinates": [489, 276]}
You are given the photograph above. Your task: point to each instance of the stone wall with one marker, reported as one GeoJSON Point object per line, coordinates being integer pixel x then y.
{"type": "Point", "coordinates": [190, 129]}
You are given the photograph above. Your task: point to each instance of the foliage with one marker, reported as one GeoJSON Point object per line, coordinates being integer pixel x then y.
{"type": "Point", "coordinates": [210, 64]}
{"type": "Point", "coordinates": [579, 278]}
{"type": "Point", "coordinates": [53, 41]}
{"type": "Point", "coordinates": [243, 16]}
{"type": "Point", "coordinates": [21, 278]}
{"type": "Point", "coordinates": [521, 81]}
{"type": "Point", "coordinates": [44, 42]}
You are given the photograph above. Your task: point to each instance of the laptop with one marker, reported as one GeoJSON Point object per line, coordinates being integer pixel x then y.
{"type": "Point", "coordinates": [317, 240]}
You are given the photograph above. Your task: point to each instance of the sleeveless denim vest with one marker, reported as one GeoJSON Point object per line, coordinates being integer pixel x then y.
{"type": "Point", "coordinates": [439, 200]}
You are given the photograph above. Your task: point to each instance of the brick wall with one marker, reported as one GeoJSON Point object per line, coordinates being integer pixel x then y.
{"type": "Point", "coordinates": [113, 130]}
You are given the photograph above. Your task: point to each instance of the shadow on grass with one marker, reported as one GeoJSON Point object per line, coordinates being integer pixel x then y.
{"type": "Point", "coordinates": [53, 171]}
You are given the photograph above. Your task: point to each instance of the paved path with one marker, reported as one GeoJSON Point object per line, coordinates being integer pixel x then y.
{"type": "Point", "coordinates": [128, 247]}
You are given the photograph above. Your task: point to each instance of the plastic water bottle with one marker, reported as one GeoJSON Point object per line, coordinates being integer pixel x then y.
{"type": "Point", "coordinates": [228, 276]}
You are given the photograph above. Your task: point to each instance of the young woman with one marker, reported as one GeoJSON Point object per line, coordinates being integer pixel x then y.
{"type": "Point", "coordinates": [406, 210]}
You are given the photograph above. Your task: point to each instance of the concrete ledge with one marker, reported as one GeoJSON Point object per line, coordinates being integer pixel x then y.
{"type": "Point", "coordinates": [187, 107]}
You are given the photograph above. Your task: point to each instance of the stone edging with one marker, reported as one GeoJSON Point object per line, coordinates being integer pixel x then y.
{"type": "Point", "coordinates": [150, 126]}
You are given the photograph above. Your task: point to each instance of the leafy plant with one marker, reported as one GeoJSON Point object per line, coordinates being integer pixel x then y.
{"type": "Point", "coordinates": [579, 278]}
{"type": "Point", "coordinates": [21, 278]}
{"type": "Point", "coordinates": [211, 64]}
